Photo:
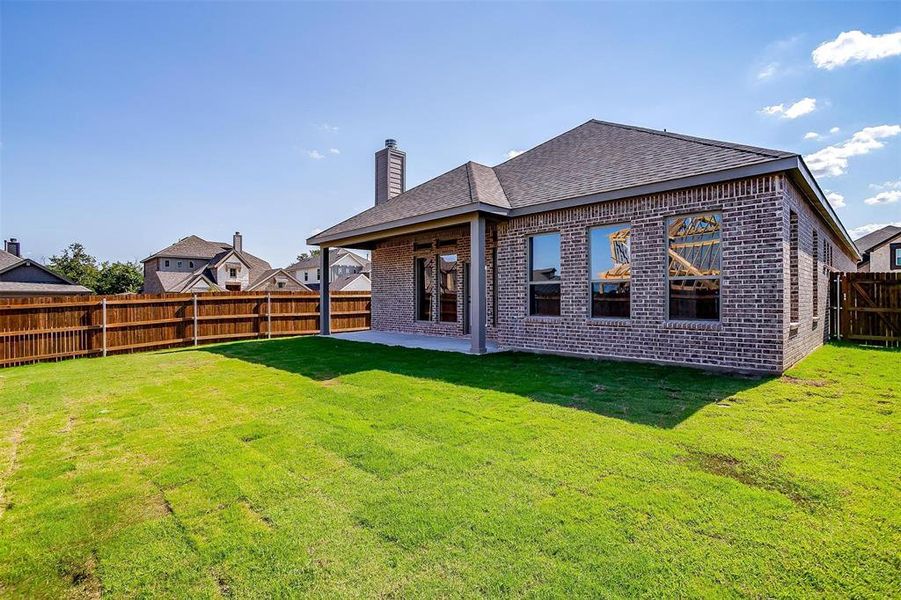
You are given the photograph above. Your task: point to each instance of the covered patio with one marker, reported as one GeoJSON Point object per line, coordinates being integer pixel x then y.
{"type": "Point", "coordinates": [415, 340]}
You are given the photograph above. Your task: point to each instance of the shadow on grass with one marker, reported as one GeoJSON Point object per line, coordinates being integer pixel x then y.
{"type": "Point", "coordinates": [639, 393]}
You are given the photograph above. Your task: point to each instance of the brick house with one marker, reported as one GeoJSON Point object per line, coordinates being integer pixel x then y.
{"type": "Point", "coordinates": [881, 250]}
{"type": "Point", "coordinates": [195, 265]}
{"type": "Point", "coordinates": [609, 241]}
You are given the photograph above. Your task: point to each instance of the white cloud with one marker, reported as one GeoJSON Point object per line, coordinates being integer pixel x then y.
{"type": "Point", "coordinates": [514, 153]}
{"type": "Point", "coordinates": [315, 154]}
{"type": "Point", "coordinates": [834, 130]}
{"type": "Point", "coordinates": [800, 108]}
{"type": "Point", "coordinates": [887, 197]}
{"type": "Point", "coordinates": [863, 230]}
{"type": "Point", "coordinates": [835, 199]}
{"type": "Point", "coordinates": [327, 127]}
{"type": "Point", "coordinates": [811, 135]}
{"type": "Point", "coordinates": [855, 46]}
{"type": "Point", "coordinates": [334, 151]}
{"type": "Point", "coordinates": [887, 185]}
{"type": "Point", "coordinates": [833, 160]}
{"type": "Point", "coordinates": [767, 71]}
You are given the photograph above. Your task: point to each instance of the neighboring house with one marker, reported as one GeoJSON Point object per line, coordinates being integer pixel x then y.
{"type": "Point", "coordinates": [194, 265]}
{"type": "Point", "coordinates": [24, 277]}
{"type": "Point", "coordinates": [608, 241]}
{"type": "Point", "coordinates": [881, 250]}
{"type": "Point", "coordinates": [348, 271]}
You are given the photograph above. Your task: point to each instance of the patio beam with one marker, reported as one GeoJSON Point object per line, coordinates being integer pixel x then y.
{"type": "Point", "coordinates": [325, 319]}
{"type": "Point", "coordinates": [478, 315]}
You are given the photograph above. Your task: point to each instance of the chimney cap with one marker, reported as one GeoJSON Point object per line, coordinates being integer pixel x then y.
{"type": "Point", "coordinates": [13, 240]}
{"type": "Point", "coordinates": [390, 143]}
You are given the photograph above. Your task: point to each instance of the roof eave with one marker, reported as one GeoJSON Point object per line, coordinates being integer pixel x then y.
{"type": "Point", "coordinates": [346, 238]}
{"type": "Point", "coordinates": [807, 181]}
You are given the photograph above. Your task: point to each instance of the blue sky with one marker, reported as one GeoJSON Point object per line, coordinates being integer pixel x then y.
{"type": "Point", "coordinates": [127, 126]}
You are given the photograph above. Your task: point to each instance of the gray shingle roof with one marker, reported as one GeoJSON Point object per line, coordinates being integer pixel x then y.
{"type": "Point", "coordinates": [600, 157]}
{"type": "Point", "coordinates": [38, 289]}
{"type": "Point", "coordinates": [877, 238]}
{"type": "Point", "coordinates": [8, 259]}
{"type": "Point", "coordinates": [313, 261]}
{"type": "Point", "coordinates": [191, 247]}
{"type": "Point", "coordinates": [594, 157]}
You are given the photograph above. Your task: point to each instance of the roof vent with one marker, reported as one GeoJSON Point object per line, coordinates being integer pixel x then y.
{"type": "Point", "coordinates": [389, 143]}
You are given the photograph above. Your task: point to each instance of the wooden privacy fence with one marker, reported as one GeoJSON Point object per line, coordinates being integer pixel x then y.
{"type": "Point", "coordinates": [867, 307]}
{"type": "Point", "coordinates": [50, 328]}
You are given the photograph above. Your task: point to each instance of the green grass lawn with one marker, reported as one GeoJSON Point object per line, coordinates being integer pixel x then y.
{"type": "Point", "coordinates": [317, 467]}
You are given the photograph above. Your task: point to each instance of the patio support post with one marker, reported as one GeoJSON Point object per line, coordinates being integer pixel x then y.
{"type": "Point", "coordinates": [478, 288]}
{"type": "Point", "coordinates": [324, 312]}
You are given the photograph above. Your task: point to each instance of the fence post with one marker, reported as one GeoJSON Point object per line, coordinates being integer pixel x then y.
{"type": "Point", "coordinates": [194, 298]}
{"type": "Point", "coordinates": [838, 306]}
{"type": "Point", "coordinates": [103, 305]}
{"type": "Point", "coordinates": [268, 316]}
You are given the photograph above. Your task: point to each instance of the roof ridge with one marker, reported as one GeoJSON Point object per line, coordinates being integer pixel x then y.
{"type": "Point", "coordinates": [470, 180]}
{"type": "Point", "coordinates": [698, 140]}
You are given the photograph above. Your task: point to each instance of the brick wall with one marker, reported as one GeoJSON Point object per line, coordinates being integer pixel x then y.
{"type": "Point", "coordinates": [805, 332]}
{"type": "Point", "coordinates": [394, 285]}
{"type": "Point", "coordinates": [753, 331]}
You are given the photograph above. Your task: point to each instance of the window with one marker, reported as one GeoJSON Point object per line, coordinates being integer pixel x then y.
{"type": "Point", "coordinates": [611, 270]}
{"type": "Point", "coordinates": [894, 254]}
{"type": "Point", "coordinates": [425, 281]}
{"type": "Point", "coordinates": [816, 274]}
{"type": "Point", "coordinates": [694, 263]}
{"type": "Point", "coordinates": [233, 272]}
{"type": "Point", "coordinates": [544, 274]}
{"type": "Point", "coordinates": [794, 296]}
{"type": "Point", "coordinates": [280, 284]}
{"type": "Point", "coordinates": [179, 264]}
{"type": "Point", "coordinates": [318, 274]}
{"type": "Point", "coordinates": [447, 288]}
{"type": "Point", "coordinates": [166, 263]}
{"type": "Point", "coordinates": [306, 275]}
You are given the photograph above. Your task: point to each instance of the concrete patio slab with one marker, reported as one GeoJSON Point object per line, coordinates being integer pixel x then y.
{"type": "Point", "coordinates": [412, 340]}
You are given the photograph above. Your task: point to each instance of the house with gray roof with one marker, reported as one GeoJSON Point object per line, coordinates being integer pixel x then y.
{"type": "Point", "coordinates": [195, 265]}
{"type": "Point", "coordinates": [25, 277]}
{"type": "Point", "coordinates": [880, 250]}
{"type": "Point", "coordinates": [348, 271]}
{"type": "Point", "coordinates": [608, 240]}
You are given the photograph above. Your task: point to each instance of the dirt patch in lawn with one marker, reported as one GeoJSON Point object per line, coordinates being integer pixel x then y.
{"type": "Point", "coordinates": [82, 578]}
{"type": "Point", "coordinates": [772, 480]}
{"type": "Point", "coordinates": [806, 382]}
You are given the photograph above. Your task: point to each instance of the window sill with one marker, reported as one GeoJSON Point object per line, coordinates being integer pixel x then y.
{"type": "Point", "coordinates": [794, 326]}
{"type": "Point", "coordinates": [608, 322]}
{"type": "Point", "coordinates": [543, 319]}
{"type": "Point", "coordinates": [694, 325]}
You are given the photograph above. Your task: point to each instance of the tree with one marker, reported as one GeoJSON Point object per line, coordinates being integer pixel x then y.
{"type": "Point", "coordinates": [306, 255]}
{"type": "Point", "coordinates": [119, 278]}
{"type": "Point", "coordinates": [76, 265]}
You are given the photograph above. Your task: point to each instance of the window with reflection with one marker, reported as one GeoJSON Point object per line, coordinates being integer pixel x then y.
{"type": "Point", "coordinates": [447, 288]}
{"type": "Point", "coordinates": [425, 282]}
{"type": "Point", "coordinates": [694, 263]}
{"type": "Point", "coordinates": [611, 270]}
{"type": "Point", "coordinates": [544, 274]}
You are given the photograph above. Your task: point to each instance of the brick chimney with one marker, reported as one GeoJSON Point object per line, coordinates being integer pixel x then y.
{"type": "Point", "coordinates": [12, 246]}
{"type": "Point", "coordinates": [390, 172]}
{"type": "Point", "coordinates": [237, 241]}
